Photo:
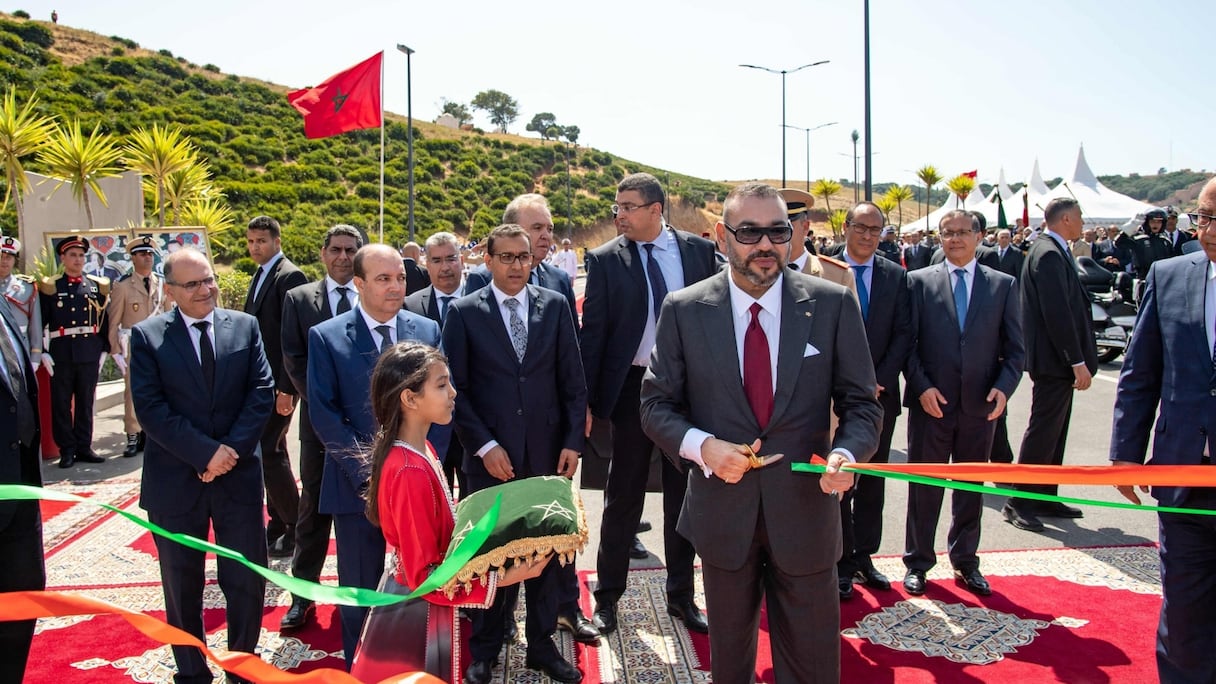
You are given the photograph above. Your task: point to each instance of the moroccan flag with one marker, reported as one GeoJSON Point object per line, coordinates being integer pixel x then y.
{"type": "Point", "coordinates": [1001, 221]}
{"type": "Point", "coordinates": [348, 101]}
{"type": "Point", "coordinates": [1026, 206]}
{"type": "Point", "coordinates": [971, 174]}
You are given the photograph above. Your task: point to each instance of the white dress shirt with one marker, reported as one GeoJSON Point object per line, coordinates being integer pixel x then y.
{"type": "Point", "coordinates": [331, 290]}
{"type": "Point", "coordinates": [196, 334]}
{"type": "Point", "coordinates": [265, 274]}
{"type": "Point", "coordinates": [667, 254]}
{"type": "Point", "coordinates": [372, 324]}
{"type": "Point", "coordinates": [968, 278]}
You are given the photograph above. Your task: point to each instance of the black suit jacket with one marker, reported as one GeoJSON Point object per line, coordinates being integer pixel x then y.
{"type": "Point", "coordinates": [916, 256]}
{"type": "Point", "coordinates": [534, 408]}
{"type": "Point", "coordinates": [186, 421]}
{"type": "Point", "coordinates": [1011, 264]}
{"type": "Point", "coordinates": [304, 307]}
{"type": "Point", "coordinates": [1056, 313]}
{"type": "Point", "coordinates": [547, 276]}
{"type": "Point", "coordinates": [425, 302]}
{"type": "Point", "coordinates": [268, 309]}
{"type": "Point", "coordinates": [964, 366]}
{"type": "Point", "coordinates": [18, 465]}
{"type": "Point", "coordinates": [615, 305]}
{"type": "Point", "coordinates": [889, 328]}
{"type": "Point", "coordinates": [416, 277]}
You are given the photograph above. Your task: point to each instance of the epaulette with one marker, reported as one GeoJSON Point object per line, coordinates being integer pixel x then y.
{"type": "Point", "coordinates": [835, 262]}
{"type": "Point", "coordinates": [47, 285]}
{"type": "Point", "coordinates": [103, 284]}
{"type": "Point", "coordinates": [25, 278]}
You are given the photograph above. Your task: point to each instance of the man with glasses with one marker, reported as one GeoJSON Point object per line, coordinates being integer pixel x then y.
{"type": "Point", "coordinates": [521, 400]}
{"type": "Point", "coordinates": [203, 391]}
{"type": "Point", "coordinates": [882, 291]}
{"type": "Point", "coordinates": [798, 204]}
{"type": "Point", "coordinates": [627, 279]}
{"type": "Point", "coordinates": [966, 361]}
{"type": "Point", "coordinates": [747, 367]}
{"type": "Point", "coordinates": [1166, 381]}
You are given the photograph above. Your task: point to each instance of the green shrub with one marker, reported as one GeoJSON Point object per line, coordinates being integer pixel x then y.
{"type": "Point", "coordinates": [234, 285]}
{"type": "Point", "coordinates": [21, 14]}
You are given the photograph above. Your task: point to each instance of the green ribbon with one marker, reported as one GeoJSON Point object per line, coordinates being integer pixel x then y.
{"type": "Point", "coordinates": [984, 489]}
{"type": "Point", "coordinates": [344, 596]}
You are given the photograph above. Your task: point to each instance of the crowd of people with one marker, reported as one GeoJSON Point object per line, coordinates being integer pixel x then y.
{"type": "Point", "coordinates": [420, 378]}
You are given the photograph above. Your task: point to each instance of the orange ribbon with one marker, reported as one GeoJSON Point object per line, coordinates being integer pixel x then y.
{"type": "Point", "coordinates": [1012, 473]}
{"type": "Point", "coordinates": [28, 605]}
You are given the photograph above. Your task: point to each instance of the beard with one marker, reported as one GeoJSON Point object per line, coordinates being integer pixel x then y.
{"type": "Point", "coordinates": [743, 265]}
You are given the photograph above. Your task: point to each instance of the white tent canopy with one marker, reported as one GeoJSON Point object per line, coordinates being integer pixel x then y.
{"type": "Point", "coordinates": [973, 201]}
{"type": "Point", "coordinates": [1099, 204]}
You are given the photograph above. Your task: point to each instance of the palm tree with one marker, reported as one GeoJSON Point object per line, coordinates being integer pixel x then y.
{"type": "Point", "coordinates": [961, 185]}
{"type": "Point", "coordinates": [929, 176]}
{"type": "Point", "coordinates": [156, 153]}
{"type": "Point", "coordinates": [899, 194]}
{"type": "Point", "coordinates": [826, 189]}
{"type": "Point", "coordinates": [885, 204]}
{"type": "Point", "coordinates": [22, 133]}
{"type": "Point", "coordinates": [74, 158]}
{"type": "Point", "coordinates": [187, 184]}
{"type": "Point", "coordinates": [836, 222]}
{"type": "Point", "coordinates": [211, 212]}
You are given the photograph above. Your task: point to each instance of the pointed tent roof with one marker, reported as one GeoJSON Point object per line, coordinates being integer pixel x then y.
{"type": "Point", "coordinates": [1099, 204]}
{"type": "Point", "coordinates": [975, 200]}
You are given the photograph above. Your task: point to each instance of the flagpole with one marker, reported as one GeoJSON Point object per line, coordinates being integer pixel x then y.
{"type": "Point", "coordinates": [382, 154]}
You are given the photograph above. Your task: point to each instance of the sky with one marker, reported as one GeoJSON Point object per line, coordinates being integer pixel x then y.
{"type": "Point", "coordinates": [960, 85]}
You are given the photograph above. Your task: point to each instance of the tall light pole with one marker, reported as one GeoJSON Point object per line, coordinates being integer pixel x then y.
{"type": "Point", "coordinates": [409, 134]}
{"type": "Point", "coordinates": [855, 135]}
{"type": "Point", "coordinates": [783, 72]}
{"type": "Point", "coordinates": [869, 137]}
{"type": "Point", "coordinates": [808, 147]}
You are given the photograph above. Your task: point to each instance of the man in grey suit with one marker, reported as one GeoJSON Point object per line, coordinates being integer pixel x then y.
{"type": "Point", "coordinates": [965, 363]}
{"type": "Point", "coordinates": [752, 360]}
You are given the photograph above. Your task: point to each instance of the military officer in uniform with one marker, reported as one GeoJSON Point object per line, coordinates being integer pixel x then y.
{"type": "Point", "coordinates": [20, 293]}
{"type": "Point", "coordinates": [132, 300]}
{"type": "Point", "coordinates": [73, 306]}
{"type": "Point", "coordinates": [798, 206]}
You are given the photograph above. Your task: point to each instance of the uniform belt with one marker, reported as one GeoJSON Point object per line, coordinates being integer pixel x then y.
{"type": "Point", "coordinates": [79, 330]}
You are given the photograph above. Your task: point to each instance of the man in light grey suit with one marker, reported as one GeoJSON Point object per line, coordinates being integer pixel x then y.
{"type": "Point", "coordinates": [752, 360]}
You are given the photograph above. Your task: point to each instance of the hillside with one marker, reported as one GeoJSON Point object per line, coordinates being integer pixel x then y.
{"type": "Point", "coordinates": [255, 144]}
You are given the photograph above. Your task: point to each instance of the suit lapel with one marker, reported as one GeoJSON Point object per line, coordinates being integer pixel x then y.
{"type": "Point", "coordinates": [320, 300]}
{"type": "Point", "coordinates": [1196, 296]}
{"type": "Point", "coordinates": [223, 343]}
{"type": "Point", "coordinates": [362, 339]}
{"type": "Point", "coordinates": [685, 258]}
{"type": "Point", "coordinates": [945, 282]}
{"type": "Point", "coordinates": [177, 335]}
{"type": "Point", "coordinates": [491, 310]}
{"type": "Point", "coordinates": [717, 317]}
{"type": "Point", "coordinates": [406, 329]}
{"type": "Point", "coordinates": [630, 256]}
{"type": "Point", "coordinates": [797, 309]}
{"type": "Point", "coordinates": [979, 297]}
{"type": "Point", "coordinates": [535, 321]}
{"type": "Point", "coordinates": [264, 286]}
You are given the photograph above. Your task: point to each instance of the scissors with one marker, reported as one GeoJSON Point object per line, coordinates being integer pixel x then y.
{"type": "Point", "coordinates": [754, 462]}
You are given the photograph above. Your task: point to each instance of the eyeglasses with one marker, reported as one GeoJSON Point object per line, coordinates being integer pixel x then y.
{"type": "Point", "coordinates": [750, 235]}
{"type": "Point", "coordinates": [193, 285]}
{"type": "Point", "coordinates": [863, 229]}
{"type": "Point", "coordinates": [951, 234]}
{"type": "Point", "coordinates": [1201, 220]}
{"type": "Point", "coordinates": [618, 209]}
{"type": "Point", "coordinates": [508, 258]}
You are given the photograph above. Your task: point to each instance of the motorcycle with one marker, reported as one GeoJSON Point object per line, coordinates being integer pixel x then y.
{"type": "Point", "coordinates": [1113, 316]}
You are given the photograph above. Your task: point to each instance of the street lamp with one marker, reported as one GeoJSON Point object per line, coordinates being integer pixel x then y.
{"type": "Point", "coordinates": [808, 147]}
{"type": "Point", "coordinates": [783, 72]}
{"type": "Point", "coordinates": [855, 137]}
{"type": "Point", "coordinates": [409, 134]}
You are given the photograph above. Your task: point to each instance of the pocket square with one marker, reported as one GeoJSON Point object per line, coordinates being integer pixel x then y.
{"type": "Point", "coordinates": [810, 351]}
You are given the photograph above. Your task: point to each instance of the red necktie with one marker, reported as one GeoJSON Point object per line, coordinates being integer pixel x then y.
{"type": "Point", "coordinates": [757, 371]}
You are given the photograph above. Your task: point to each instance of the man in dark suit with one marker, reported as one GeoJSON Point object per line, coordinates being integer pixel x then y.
{"type": "Point", "coordinates": [794, 342]}
{"type": "Point", "coordinates": [916, 254]}
{"type": "Point", "coordinates": [627, 279]}
{"type": "Point", "coordinates": [1061, 355]}
{"type": "Point", "coordinates": [275, 276]}
{"type": "Point", "coordinates": [1177, 238]}
{"type": "Point", "coordinates": [532, 212]}
{"type": "Point", "coordinates": [305, 307]}
{"type": "Point", "coordinates": [416, 276]}
{"type": "Point", "coordinates": [20, 521]}
{"type": "Point", "coordinates": [1169, 380]}
{"type": "Point", "coordinates": [521, 404]}
{"type": "Point", "coordinates": [882, 290]}
{"type": "Point", "coordinates": [965, 364]}
{"type": "Point", "coordinates": [1009, 258]}
{"type": "Point", "coordinates": [342, 353]}
{"type": "Point", "coordinates": [203, 391]}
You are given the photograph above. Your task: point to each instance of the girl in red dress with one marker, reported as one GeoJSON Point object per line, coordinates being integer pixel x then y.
{"type": "Point", "coordinates": [409, 499]}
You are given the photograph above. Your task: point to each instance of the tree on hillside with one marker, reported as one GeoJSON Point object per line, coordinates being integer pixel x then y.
{"type": "Point", "coordinates": [825, 188]}
{"type": "Point", "coordinates": [157, 152]}
{"type": "Point", "coordinates": [81, 160]}
{"type": "Point", "coordinates": [542, 123]}
{"type": "Point", "coordinates": [458, 110]}
{"type": "Point", "coordinates": [961, 185]}
{"type": "Point", "coordinates": [899, 194]}
{"type": "Point", "coordinates": [499, 106]}
{"type": "Point", "coordinates": [571, 134]}
{"type": "Point", "coordinates": [22, 133]}
{"type": "Point", "coordinates": [929, 176]}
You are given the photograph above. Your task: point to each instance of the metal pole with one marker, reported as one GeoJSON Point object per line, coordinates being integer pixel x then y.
{"type": "Point", "coordinates": [855, 188]}
{"type": "Point", "coordinates": [409, 134]}
{"type": "Point", "coordinates": [569, 198]}
{"type": "Point", "coordinates": [869, 168]}
{"type": "Point", "coordinates": [808, 161]}
{"type": "Point", "coordinates": [783, 73]}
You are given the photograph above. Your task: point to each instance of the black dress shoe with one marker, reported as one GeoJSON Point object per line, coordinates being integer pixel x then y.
{"type": "Point", "coordinates": [66, 460]}
{"type": "Point", "coordinates": [972, 581]}
{"type": "Point", "coordinates": [846, 588]}
{"type": "Point", "coordinates": [132, 446]}
{"type": "Point", "coordinates": [1021, 519]}
{"type": "Point", "coordinates": [914, 582]}
{"type": "Point", "coordinates": [872, 578]}
{"type": "Point", "coordinates": [283, 547]}
{"type": "Point", "coordinates": [297, 616]}
{"type": "Point", "coordinates": [89, 457]}
{"type": "Point", "coordinates": [688, 611]}
{"type": "Point", "coordinates": [604, 618]}
{"type": "Point", "coordinates": [581, 629]}
{"type": "Point", "coordinates": [556, 668]}
{"type": "Point", "coordinates": [479, 672]}
{"type": "Point", "coordinates": [1056, 509]}
{"type": "Point", "coordinates": [636, 550]}
{"type": "Point", "coordinates": [644, 526]}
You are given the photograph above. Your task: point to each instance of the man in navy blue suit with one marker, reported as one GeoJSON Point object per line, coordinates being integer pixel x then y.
{"type": "Point", "coordinates": [1169, 374]}
{"type": "Point", "coordinates": [341, 355]}
{"type": "Point", "coordinates": [521, 404]}
{"type": "Point", "coordinates": [203, 391]}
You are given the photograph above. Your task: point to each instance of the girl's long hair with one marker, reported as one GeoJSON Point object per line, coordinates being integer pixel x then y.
{"type": "Point", "coordinates": [406, 365]}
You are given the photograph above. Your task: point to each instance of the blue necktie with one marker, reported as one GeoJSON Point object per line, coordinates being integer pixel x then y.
{"type": "Point", "coordinates": [960, 297]}
{"type": "Point", "coordinates": [658, 287]}
{"type": "Point", "coordinates": [863, 292]}
{"type": "Point", "coordinates": [444, 301]}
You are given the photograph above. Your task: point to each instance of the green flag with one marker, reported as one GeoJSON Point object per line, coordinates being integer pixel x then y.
{"type": "Point", "coordinates": [1001, 221]}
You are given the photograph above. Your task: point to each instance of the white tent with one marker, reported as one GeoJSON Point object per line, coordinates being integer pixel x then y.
{"type": "Point", "coordinates": [1099, 204]}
